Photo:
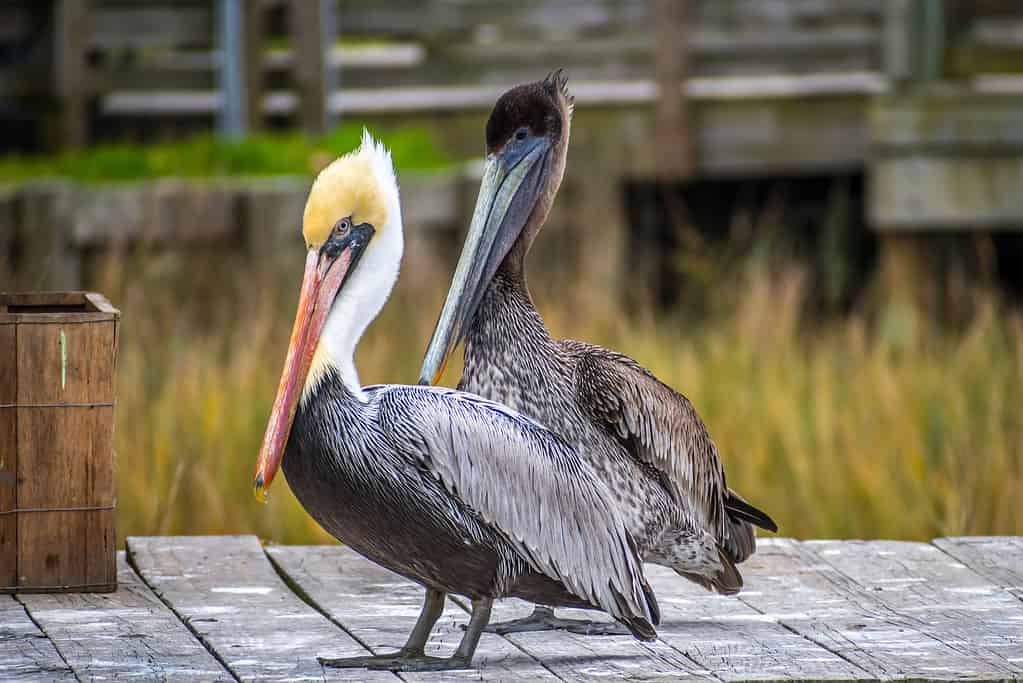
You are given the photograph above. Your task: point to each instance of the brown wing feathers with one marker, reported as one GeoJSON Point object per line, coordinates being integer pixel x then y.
{"type": "Point", "coordinates": [661, 428]}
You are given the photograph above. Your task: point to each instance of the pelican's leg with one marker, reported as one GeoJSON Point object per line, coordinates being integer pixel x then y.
{"type": "Point", "coordinates": [414, 648]}
{"type": "Point", "coordinates": [412, 657]}
{"type": "Point", "coordinates": [433, 607]}
{"type": "Point", "coordinates": [543, 619]}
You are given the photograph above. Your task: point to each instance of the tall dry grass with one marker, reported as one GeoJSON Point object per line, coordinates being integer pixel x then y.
{"type": "Point", "coordinates": [878, 423]}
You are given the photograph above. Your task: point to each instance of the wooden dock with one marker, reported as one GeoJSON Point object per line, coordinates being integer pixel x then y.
{"type": "Point", "coordinates": [227, 608]}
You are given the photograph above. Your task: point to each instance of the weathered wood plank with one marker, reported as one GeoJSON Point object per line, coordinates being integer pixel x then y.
{"type": "Point", "coordinates": [25, 653]}
{"type": "Point", "coordinates": [229, 594]}
{"type": "Point", "coordinates": [578, 657]}
{"type": "Point", "coordinates": [379, 608]}
{"type": "Point", "coordinates": [736, 642]}
{"type": "Point", "coordinates": [939, 596]}
{"type": "Point", "coordinates": [920, 192]}
{"type": "Point", "coordinates": [9, 448]}
{"type": "Point", "coordinates": [788, 583]}
{"type": "Point", "coordinates": [998, 559]}
{"type": "Point", "coordinates": [127, 634]}
{"type": "Point", "coordinates": [47, 263]}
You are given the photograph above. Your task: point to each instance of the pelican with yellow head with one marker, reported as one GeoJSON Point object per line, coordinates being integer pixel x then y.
{"type": "Point", "coordinates": [456, 493]}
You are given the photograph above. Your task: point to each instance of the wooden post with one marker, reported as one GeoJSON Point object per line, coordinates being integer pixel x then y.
{"type": "Point", "coordinates": [232, 118]}
{"type": "Point", "coordinates": [932, 40]}
{"type": "Point", "coordinates": [670, 66]}
{"type": "Point", "coordinates": [310, 32]}
{"type": "Point", "coordinates": [914, 40]}
{"type": "Point", "coordinates": [70, 41]}
{"type": "Point", "coordinates": [252, 37]}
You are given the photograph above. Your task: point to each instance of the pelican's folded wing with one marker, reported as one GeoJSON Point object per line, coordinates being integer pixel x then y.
{"type": "Point", "coordinates": [661, 428]}
{"type": "Point", "coordinates": [528, 483]}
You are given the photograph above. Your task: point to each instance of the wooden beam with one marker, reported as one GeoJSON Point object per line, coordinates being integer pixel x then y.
{"type": "Point", "coordinates": [309, 30]}
{"type": "Point", "coordinates": [70, 41]}
{"type": "Point", "coordinates": [671, 19]}
{"type": "Point", "coordinates": [252, 38]}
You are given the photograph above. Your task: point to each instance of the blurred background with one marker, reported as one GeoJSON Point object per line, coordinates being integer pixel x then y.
{"type": "Point", "coordinates": [806, 215]}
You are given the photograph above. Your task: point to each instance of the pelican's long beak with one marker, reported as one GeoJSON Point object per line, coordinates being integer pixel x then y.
{"type": "Point", "coordinates": [326, 270]}
{"type": "Point", "coordinates": [512, 183]}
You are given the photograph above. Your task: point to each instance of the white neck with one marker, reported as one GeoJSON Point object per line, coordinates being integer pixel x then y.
{"type": "Point", "coordinates": [355, 307]}
{"type": "Point", "coordinates": [361, 297]}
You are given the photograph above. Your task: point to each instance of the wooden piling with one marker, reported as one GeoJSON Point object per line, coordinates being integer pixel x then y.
{"type": "Point", "coordinates": [671, 126]}
{"type": "Point", "coordinates": [308, 37]}
{"type": "Point", "coordinates": [69, 45]}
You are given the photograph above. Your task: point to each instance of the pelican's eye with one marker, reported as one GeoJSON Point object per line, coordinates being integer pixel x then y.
{"type": "Point", "coordinates": [521, 134]}
{"type": "Point", "coordinates": [342, 227]}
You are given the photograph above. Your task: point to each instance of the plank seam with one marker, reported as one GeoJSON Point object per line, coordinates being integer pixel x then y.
{"type": "Point", "coordinates": [923, 627]}
{"type": "Point", "coordinates": [307, 599]}
{"type": "Point", "coordinates": [130, 558]}
{"type": "Point", "coordinates": [868, 676]}
{"type": "Point", "coordinates": [893, 616]}
{"type": "Point", "coordinates": [42, 630]}
{"type": "Point", "coordinates": [458, 601]}
{"type": "Point", "coordinates": [976, 571]}
{"type": "Point", "coordinates": [802, 552]}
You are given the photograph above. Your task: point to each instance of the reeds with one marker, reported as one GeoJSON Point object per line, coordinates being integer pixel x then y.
{"type": "Point", "coordinates": [871, 424]}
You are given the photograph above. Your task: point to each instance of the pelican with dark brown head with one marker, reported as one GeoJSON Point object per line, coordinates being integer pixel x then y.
{"type": "Point", "coordinates": [644, 440]}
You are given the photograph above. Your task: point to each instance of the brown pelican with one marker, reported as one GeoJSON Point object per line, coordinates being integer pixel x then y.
{"type": "Point", "coordinates": [457, 493]}
{"type": "Point", "coordinates": [645, 440]}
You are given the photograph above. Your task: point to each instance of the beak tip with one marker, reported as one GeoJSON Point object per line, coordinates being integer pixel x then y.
{"type": "Point", "coordinates": [259, 489]}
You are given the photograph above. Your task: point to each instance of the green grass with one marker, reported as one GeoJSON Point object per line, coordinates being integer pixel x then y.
{"type": "Point", "coordinates": [877, 424]}
{"type": "Point", "coordinates": [206, 156]}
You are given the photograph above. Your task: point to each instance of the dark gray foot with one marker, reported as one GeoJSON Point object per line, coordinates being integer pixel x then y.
{"type": "Point", "coordinates": [544, 620]}
{"type": "Point", "coordinates": [399, 661]}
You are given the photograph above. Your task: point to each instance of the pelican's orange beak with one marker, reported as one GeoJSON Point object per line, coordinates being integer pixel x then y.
{"type": "Point", "coordinates": [324, 275]}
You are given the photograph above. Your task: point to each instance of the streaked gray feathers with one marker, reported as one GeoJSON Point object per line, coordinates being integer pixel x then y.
{"type": "Point", "coordinates": [494, 460]}
{"type": "Point", "coordinates": [660, 427]}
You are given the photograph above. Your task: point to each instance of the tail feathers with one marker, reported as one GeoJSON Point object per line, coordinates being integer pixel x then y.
{"type": "Point", "coordinates": [739, 509]}
{"type": "Point", "coordinates": [639, 626]}
{"type": "Point", "coordinates": [726, 581]}
{"type": "Point", "coordinates": [742, 539]}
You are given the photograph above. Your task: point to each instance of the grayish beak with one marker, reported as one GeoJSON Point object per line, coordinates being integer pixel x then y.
{"type": "Point", "coordinates": [512, 183]}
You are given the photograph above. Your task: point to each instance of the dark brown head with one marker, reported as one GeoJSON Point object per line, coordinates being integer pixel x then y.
{"type": "Point", "coordinates": [543, 108]}
{"type": "Point", "coordinates": [527, 142]}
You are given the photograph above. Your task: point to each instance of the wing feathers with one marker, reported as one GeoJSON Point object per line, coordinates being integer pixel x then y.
{"type": "Point", "coordinates": [661, 428]}
{"type": "Point", "coordinates": [529, 484]}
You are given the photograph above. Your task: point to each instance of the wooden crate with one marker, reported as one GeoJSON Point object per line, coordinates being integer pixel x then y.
{"type": "Point", "coordinates": [57, 476]}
